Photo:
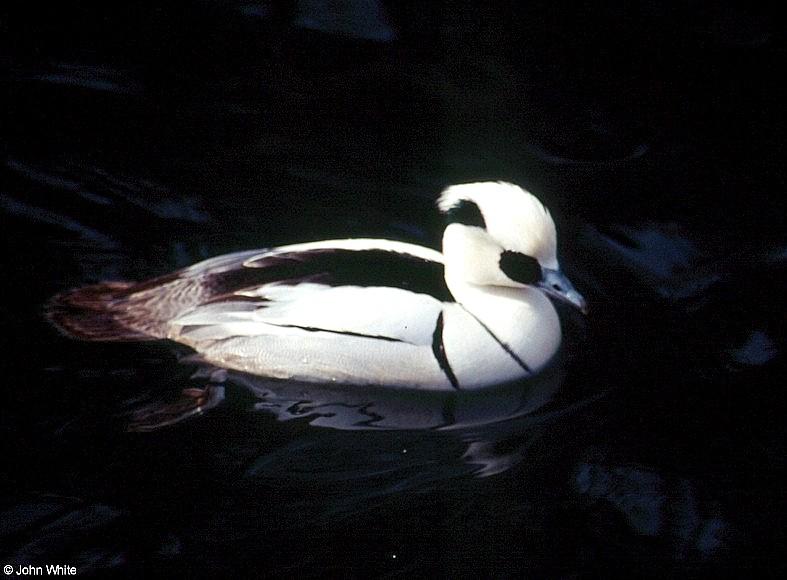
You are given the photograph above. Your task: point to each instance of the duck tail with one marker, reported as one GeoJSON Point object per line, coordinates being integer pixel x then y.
{"type": "Point", "coordinates": [95, 313]}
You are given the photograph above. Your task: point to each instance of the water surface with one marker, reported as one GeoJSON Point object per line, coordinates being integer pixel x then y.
{"type": "Point", "coordinates": [139, 141]}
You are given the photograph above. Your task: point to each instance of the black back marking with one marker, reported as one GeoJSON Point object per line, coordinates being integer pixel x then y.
{"type": "Point", "coordinates": [438, 348]}
{"type": "Point", "coordinates": [339, 267]}
{"type": "Point", "coordinates": [467, 213]}
{"type": "Point", "coordinates": [520, 267]}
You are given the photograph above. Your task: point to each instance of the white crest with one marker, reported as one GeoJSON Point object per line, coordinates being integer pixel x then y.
{"type": "Point", "coordinates": [514, 218]}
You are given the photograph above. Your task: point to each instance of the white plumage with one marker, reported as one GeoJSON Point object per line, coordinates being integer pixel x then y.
{"type": "Point", "coordinates": [361, 312]}
{"type": "Point", "coordinates": [515, 219]}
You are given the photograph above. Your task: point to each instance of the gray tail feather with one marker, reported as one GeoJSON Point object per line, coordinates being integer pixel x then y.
{"type": "Point", "coordinates": [94, 313]}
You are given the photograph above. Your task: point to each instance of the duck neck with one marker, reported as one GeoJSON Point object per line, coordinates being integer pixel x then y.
{"type": "Point", "coordinates": [521, 319]}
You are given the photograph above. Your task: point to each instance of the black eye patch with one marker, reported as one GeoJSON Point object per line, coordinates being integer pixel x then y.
{"type": "Point", "coordinates": [466, 213]}
{"type": "Point", "coordinates": [520, 267]}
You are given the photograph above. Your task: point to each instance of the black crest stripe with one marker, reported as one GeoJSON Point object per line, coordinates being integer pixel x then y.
{"type": "Point", "coordinates": [438, 348]}
{"type": "Point", "coordinates": [467, 213]}
{"type": "Point", "coordinates": [502, 344]}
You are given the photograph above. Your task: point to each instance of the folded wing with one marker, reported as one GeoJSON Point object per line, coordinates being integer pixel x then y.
{"type": "Point", "coordinates": [364, 315]}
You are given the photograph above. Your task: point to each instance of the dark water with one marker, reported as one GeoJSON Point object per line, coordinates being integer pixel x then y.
{"type": "Point", "coordinates": [139, 139]}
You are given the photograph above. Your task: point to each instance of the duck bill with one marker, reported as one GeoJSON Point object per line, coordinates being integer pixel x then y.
{"type": "Point", "coordinates": [555, 284]}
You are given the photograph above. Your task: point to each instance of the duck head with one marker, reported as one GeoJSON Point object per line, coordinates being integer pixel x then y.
{"type": "Point", "coordinates": [499, 235]}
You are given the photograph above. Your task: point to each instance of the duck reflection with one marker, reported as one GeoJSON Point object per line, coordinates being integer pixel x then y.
{"type": "Point", "coordinates": [493, 425]}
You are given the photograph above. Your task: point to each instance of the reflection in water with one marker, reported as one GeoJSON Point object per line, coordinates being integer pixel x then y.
{"type": "Point", "coordinates": [144, 139]}
{"type": "Point", "coordinates": [481, 419]}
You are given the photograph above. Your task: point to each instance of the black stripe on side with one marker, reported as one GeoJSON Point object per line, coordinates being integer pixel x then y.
{"type": "Point", "coordinates": [502, 344]}
{"type": "Point", "coordinates": [438, 348]}
{"type": "Point", "coordinates": [344, 332]}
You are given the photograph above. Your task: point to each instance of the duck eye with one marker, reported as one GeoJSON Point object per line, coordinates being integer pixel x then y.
{"type": "Point", "coordinates": [520, 267]}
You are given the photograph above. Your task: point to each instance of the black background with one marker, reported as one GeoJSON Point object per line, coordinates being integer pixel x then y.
{"type": "Point", "coordinates": [141, 138]}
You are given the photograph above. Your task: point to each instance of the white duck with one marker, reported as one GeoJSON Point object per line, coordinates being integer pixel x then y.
{"type": "Point", "coordinates": [361, 311]}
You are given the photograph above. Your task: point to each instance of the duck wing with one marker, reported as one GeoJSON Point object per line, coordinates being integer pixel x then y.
{"type": "Point", "coordinates": [135, 311]}
{"type": "Point", "coordinates": [359, 310]}
{"type": "Point", "coordinates": [357, 263]}
{"type": "Point", "coordinates": [354, 286]}
{"type": "Point", "coordinates": [351, 311]}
